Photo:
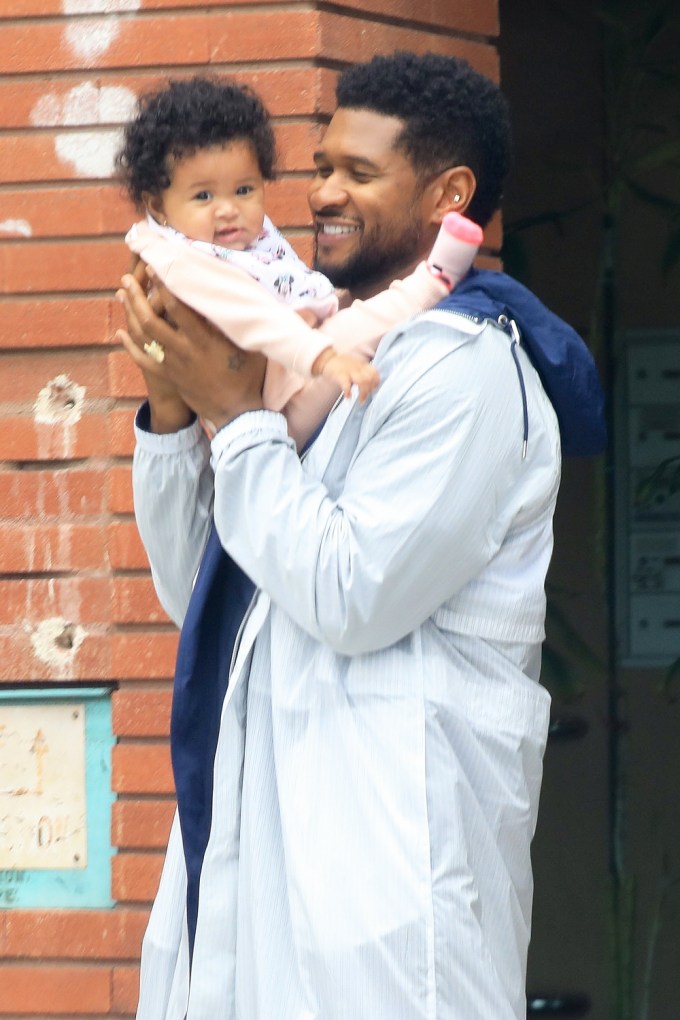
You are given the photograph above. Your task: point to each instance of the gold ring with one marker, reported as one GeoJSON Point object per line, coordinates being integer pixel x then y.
{"type": "Point", "coordinates": [156, 351]}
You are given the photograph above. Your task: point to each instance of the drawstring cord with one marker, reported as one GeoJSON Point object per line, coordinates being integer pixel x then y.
{"type": "Point", "coordinates": [509, 326]}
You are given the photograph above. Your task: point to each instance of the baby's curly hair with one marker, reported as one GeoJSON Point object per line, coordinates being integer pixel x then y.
{"type": "Point", "coordinates": [184, 117]}
{"type": "Point", "coordinates": [454, 116]}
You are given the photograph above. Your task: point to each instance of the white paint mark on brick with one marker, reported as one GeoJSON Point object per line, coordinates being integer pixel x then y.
{"type": "Point", "coordinates": [89, 39]}
{"type": "Point", "coordinates": [100, 6]}
{"type": "Point", "coordinates": [116, 104]}
{"type": "Point", "coordinates": [85, 104]}
{"type": "Point", "coordinates": [47, 111]}
{"type": "Point", "coordinates": [59, 402]}
{"type": "Point", "coordinates": [57, 409]}
{"type": "Point", "coordinates": [90, 153]}
{"type": "Point", "coordinates": [21, 227]}
{"type": "Point", "coordinates": [56, 642]}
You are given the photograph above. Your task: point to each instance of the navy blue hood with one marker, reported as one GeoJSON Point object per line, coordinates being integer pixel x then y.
{"type": "Point", "coordinates": [561, 358]}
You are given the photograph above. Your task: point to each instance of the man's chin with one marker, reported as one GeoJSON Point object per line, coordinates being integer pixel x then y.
{"type": "Point", "coordinates": [331, 264]}
{"type": "Point", "coordinates": [340, 271]}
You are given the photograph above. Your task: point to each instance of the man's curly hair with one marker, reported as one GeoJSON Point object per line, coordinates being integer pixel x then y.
{"type": "Point", "coordinates": [184, 117]}
{"type": "Point", "coordinates": [453, 116]}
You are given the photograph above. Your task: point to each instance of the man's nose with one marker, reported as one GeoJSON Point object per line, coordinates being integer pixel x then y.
{"type": "Point", "coordinates": [327, 191]}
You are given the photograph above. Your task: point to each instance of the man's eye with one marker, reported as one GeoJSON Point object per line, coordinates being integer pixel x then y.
{"type": "Point", "coordinates": [323, 171]}
{"type": "Point", "coordinates": [360, 177]}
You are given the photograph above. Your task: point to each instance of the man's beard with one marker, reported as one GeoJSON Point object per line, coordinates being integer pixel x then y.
{"type": "Point", "coordinates": [377, 259]}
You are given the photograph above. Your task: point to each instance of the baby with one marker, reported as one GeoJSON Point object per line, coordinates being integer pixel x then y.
{"type": "Point", "coordinates": [196, 158]}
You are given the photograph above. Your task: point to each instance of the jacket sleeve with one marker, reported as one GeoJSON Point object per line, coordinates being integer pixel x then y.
{"type": "Point", "coordinates": [422, 508]}
{"type": "Point", "coordinates": [173, 489]}
{"type": "Point", "coordinates": [254, 319]}
{"type": "Point", "coordinates": [237, 304]}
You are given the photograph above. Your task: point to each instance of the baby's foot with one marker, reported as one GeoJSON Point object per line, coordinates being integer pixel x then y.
{"type": "Point", "coordinates": [454, 249]}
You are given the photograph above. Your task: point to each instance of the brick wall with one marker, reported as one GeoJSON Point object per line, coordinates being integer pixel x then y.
{"type": "Point", "coordinates": [69, 552]}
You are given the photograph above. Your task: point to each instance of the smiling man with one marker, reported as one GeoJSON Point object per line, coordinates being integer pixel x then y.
{"type": "Point", "coordinates": [358, 767]}
{"type": "Point", "coordinates": [365, 199]}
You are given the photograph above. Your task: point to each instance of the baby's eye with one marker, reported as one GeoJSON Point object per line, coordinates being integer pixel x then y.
{"type": "Point", "coordinates": [203, 196]}
{"type": "Point", "coordinates": [244, 189]}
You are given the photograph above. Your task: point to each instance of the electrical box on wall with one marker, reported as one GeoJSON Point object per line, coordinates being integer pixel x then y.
{"type": "Point", "coordinates": [55, 797]}
{"type": "Point", "coordinates": [647, 436]}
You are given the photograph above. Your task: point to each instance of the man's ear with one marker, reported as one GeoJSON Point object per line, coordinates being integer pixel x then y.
{"type": "Point", "coordinates": [452, 189]}
{"type": "Point", "coordinates": [154, 206]}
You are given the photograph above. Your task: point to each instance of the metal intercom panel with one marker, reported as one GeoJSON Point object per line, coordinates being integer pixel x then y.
{"type": "Point", "coordinates": [647, 486]}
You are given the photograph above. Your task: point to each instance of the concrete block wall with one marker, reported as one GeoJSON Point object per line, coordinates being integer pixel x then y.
{"type": "Point", "coordinates": [71, 564]}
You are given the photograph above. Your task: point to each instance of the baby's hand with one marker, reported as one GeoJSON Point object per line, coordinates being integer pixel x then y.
{"type": "Point", "coordinates": [346, 371]}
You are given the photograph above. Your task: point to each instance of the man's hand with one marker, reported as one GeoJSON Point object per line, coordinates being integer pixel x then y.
{"type": "Point", "coordinates": [200, 368]}
{"type": "Point", "coordinates": [169, 412]}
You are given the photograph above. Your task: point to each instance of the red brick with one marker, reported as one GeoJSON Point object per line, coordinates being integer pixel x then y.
{"type": "Point", "coordinates": [142, 825]}
{"type": "Point", "coordinates": [71, 990]}
{"type": "Point", "coordinates": [478, 16]}
{"type": "Point", "coordinates": [44, 548]}
{"type": "Point", "coordinates": [26, 8]}
{"type": "Point", "coordinates": [19, 662]}
{"type": "Point", "coordinates": [83, 934]}
{"type": "Point", "coordinates": [146, 656]}
{"type": "Point", "coordinates": [297, 143]}
{"type": "Point", "coordinates": [135, 601]}
{"type": "Point", "coordinates": [61, 492]}
{"type": "Point", "coordinates": [120, 489]}
{"type": "Point", "coordinates": [44, 266]}
{"type": "Point", "coordinates": [125, 379]}
{"type": "Point", "coordinates": [135, 877]}
{"type": "Point", "coordinates": [287, 204]}
{"type": "Point", "coordinates": [141, 713]}
{"type": "Point", "coordinates": [142, 768]}
{"type": "Point", "coordinates": [32, 156]}
{"type": "Point", "coordinates": [53, 322]}
{"type": "Point", "coordinates": [122, 436]}
{"type": "Point", "coordinates": [68, 211]}
{"type": "Point", "coordinates": [288, 92]}
{"type": "Point", "coordinates": [22, 439]}
{"type": "Point", "coordinates": [125, 989]}
{"type": "Point", "coordinates": [342, 38]}
{"type": "Point", "coordinates": [125, 548]}
{"type": "Point", "coordinates": [186, 38]}
{"type": "Point", "coordinates": [25, 374]}
{"type": "Point", "coordinates": [79, 600]}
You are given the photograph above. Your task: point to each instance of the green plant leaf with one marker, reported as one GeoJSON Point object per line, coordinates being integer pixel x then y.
{"type": "Point", "coordinates": [581, 655]}
{"type": "Point", "coordinates": [671, 255]}
{"type": "Point", "coordinates": [669, 681]}
{"type": "Point", "coordinates": [657, 157]}
{"type": "Point", "coordinates": [667, 205]}
{"type": "Point", "coordinates": [559, 677]}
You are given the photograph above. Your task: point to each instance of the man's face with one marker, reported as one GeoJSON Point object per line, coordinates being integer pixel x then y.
{"type": "Point", "coordinates": [370, 218]}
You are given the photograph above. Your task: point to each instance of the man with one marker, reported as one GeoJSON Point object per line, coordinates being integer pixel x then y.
{"type": "Point", "coordinates": [374, 785]}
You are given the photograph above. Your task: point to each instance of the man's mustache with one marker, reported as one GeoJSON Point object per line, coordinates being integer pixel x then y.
{"type": "Point", "coordinates": [332, 211]}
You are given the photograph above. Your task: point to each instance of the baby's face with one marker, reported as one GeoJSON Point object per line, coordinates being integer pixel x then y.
{"type": "Point", "coordinates": [216, 195]}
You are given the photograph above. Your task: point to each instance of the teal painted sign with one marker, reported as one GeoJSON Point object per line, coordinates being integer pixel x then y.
{"type": "Point", "coordinates": [55, 797]}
